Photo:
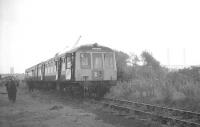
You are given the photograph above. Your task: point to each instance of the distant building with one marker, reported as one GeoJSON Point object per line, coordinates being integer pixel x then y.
{"type": "Point", "coordinates": [12, 70]}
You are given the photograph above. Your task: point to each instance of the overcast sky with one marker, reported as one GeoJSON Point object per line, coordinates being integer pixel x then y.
{"type": "Point", "coordinates": [34, 30]}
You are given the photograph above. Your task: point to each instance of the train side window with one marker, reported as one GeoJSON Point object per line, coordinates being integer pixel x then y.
{"type": "Point", "coordinates": [85, 60]}
{"type": "Point", "coordinates": [50, 69]}
{"type": "Point", "coordinates": [108, 60]}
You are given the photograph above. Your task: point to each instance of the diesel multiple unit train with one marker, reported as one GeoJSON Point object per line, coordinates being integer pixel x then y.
{"type": "Point", "coordinates": [89, 70]}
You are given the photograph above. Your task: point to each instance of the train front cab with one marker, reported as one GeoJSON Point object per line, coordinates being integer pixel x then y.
{"type": "Point", "coordinates": [96, 70]}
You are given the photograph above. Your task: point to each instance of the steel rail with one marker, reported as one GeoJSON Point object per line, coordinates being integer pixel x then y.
{"type": "Point", "coordinates": [178, 111]}
{"type": "Point", "coordinates": [119, 104]}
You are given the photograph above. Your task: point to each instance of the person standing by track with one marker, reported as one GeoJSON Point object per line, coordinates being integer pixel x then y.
{"type": "Point", "coordinates": [11, 89]}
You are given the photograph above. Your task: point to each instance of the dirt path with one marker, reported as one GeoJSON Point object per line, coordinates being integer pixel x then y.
{"type": "Point", "coordinates": [52, 109]}
{"type": "Point", "coordinates": [31, 111]}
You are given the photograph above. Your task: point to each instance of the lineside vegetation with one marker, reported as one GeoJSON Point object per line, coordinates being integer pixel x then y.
{"type": "Point", "coordinates": [145, 80]}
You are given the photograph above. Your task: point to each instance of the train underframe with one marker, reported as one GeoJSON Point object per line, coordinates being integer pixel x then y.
{"type": "Point", "coordinates": [91, 89]}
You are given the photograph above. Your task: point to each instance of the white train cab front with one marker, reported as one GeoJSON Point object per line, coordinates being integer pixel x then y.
{"type": "Point", "coordinates": [95, 65]}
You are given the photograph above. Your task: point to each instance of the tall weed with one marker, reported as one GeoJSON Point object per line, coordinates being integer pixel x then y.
{"type": "Point", "coordinates": [171, 88]}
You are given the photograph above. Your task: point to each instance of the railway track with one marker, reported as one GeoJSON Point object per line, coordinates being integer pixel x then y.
{"type": "Point", "coordinates": [164, 115]}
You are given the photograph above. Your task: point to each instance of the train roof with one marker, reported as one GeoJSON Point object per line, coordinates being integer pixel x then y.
{"type": "Point", "coordinates": [87, 47]}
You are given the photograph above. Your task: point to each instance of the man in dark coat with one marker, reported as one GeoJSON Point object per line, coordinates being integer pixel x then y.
{"type": "Point", "coordinates": [11, 89]}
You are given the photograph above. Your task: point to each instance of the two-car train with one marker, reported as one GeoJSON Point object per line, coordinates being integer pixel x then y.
{"type": "Point", "coordinates": [89, 70]}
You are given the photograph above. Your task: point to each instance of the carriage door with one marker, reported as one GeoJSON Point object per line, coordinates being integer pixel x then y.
{"type": "Point", "coordinates": [42, 71]}
{"type": "Point", "coordinates": [58, 68]}
{"type": "Point", "coordinates": [97, 73]}
{"type": "Point", "coordinates": [68, 67]}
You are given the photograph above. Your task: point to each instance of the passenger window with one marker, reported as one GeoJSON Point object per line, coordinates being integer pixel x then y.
{"type": "Point", "coordinates": [51, 70]}
{"type": "Point", "coordinates": [97, 60]}
{"type": "Point", "coordinates": [108, 60]}
{"type": "Point", "coordinates": [85, 60]}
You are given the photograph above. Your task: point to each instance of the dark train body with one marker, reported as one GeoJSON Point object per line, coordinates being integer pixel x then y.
{"type": "Point", "coordinates": [88, 70]}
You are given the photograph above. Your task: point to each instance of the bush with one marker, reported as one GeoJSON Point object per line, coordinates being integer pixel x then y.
{"type": "Point", "coordinates": [151, 83]}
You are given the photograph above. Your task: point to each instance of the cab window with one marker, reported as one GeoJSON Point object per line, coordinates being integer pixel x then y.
{"type": "Point", "coordinates": [108, 60]}
{"type": "Point", "coordinates": [85, 60]}
{"type": "Point", "coordinates": [97, 60]}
